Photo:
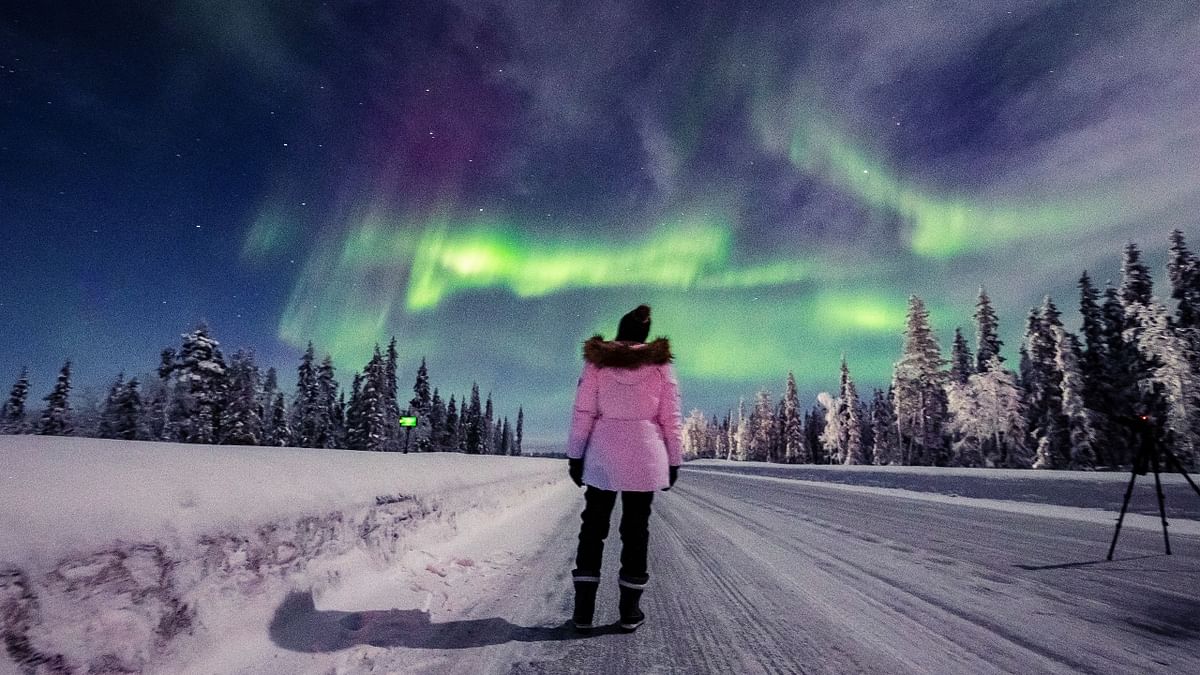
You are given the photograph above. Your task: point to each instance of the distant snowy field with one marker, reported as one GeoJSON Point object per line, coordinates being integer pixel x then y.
{"type": "Point", "coordinates": [113, 553]}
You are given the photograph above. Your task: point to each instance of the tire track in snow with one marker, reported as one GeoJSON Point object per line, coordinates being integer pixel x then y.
{"type": "Point", "coordinates": [861, 627]}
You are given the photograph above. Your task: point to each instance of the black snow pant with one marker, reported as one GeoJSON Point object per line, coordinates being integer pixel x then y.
{"type": "Point", "coordinates": [635, 533]}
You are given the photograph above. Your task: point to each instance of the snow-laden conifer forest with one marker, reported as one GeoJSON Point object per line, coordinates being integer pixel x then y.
{"type": "Point", "coordinates": [197, 395]}
{"type": "Point", "coordinates": [1067, 403]}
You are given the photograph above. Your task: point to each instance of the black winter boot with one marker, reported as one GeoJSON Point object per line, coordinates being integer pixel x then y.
{"type": "Point", "coordinates": [631, 594]}
{"type": "Point", "coordinates": [585, 599]}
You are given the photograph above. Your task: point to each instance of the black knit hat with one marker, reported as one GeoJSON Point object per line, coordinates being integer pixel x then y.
{"type": "Point", "coordinates": [635, 326]}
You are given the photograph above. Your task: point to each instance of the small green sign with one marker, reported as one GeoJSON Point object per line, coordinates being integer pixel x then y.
{"type": "Point", "coordinates": [408, 421]}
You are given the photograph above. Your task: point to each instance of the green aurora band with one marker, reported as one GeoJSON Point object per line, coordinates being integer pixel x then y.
{"type": "Point", "coordinates": [486, 255]}
{"type": "Point", "coordinates": [939, 226]}
{"type": "Point", "coordinates": [353, 284]}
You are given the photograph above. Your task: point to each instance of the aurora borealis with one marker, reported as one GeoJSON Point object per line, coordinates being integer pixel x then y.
{"type": "Point", "coordinates": [493, 182]}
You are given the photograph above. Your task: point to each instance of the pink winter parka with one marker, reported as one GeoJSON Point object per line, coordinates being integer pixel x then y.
{"type": "Point", "coordinates": [627, 423]}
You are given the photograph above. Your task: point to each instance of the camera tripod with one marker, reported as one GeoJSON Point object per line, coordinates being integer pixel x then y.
{"type": "Point", "coordinates": [1147, 458]}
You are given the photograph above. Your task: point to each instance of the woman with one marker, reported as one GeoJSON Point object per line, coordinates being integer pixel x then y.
{"type": "Point", "coordinates": [625, 437]}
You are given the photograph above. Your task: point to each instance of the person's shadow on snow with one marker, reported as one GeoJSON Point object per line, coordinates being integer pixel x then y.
{"type": "Point", "coordinates": [299, 626]}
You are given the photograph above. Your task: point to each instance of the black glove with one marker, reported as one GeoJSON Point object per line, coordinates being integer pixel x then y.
{"type": "Point", "coordinates": [672, 476]}
{"type": "Point", "coordinates": [575, 471]}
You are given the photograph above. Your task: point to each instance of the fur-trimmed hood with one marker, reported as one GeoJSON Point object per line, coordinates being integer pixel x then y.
{"type": "Point", "coordinates": [611, 354]}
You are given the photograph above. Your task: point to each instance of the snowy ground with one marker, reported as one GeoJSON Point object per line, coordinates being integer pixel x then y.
{"type": "Point", "coordinates": [750, 573]}
{"type": "Point", "coordinates": [157, 556]}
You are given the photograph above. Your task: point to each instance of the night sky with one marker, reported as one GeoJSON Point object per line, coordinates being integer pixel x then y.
{"type": "Point", "coordinates": [493, 182]}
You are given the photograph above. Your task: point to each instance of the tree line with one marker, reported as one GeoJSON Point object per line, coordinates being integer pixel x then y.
{"type": "Point", "coordinates": [196, 395]}
{"type": "Point", "coordinates": [1070, 403]}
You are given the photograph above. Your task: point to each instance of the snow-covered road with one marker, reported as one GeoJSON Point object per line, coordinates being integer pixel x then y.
{"type": "Point", "coordinates": [754, 575]}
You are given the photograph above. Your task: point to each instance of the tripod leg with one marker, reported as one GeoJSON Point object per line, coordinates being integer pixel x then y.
{"type": "Point", "coordinates": [1162, 509]}
{"type": "Point", "coordinates": [1133, 473]}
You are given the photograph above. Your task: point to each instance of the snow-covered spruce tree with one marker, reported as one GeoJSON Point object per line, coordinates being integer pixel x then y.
{"type": "Point", "coordinates": [108, 410]}
{"type": "Point", "coordinates": [814, 431]}
{"type": "Point", "coordinates": [918, 391]}
{"type": "Point", "coordinates": [374, 405]}
{"type": "Point", "coordinates": [391, 398]}
{"type": "Point", "coordinates": [421, 405]}
{"type": "Point", "coordinates": [695, 428]}
{"type": "Point", "coordinates": [1081, 420]}
{"type": "Point", "coordinates": [721, 437]}
{"type": "Point", "coordinates": [12, 416]}
{"type": "Point", "coordinates": [201, 372]}
{"type": "Point", "coordinates": [279, 435]}
{"type": "Point", "coordinates": [868, 430]}
{"type": "Point", "coordinates": [472, 421]}
{"type": "Point", "coordinates": [712, 439]}
{"type": "Point", "coordinates": [1183, 270]}
{"type": "Point", "coordinates": [1119, 379]}
{"type": "Point", "coordinates": [1125, 359]}
{"type": "Point", "coordinates": [1097, 383]}
{"type": "Point", "coordinates": [987, 326]}
{"type": "Point", "coordinates": [306, 403]}
{"type": "Point", "coordinates": [355, 434]}
{"type": "Point", "coordinates": [778, 448]}
{"type": "Point", "coordinates": [506, 438]}
{"type": "Point", "coordinates": [450, 441]}
{"type": "Point", "coordinates": [842, 413]}
{"type": "Point", "coordinates": [168, 404]}
{"type": "Point", "coordinates": [520, 433]}
{"type": "Point", "coordinates": [326, 404]}
{"type": "Point", "coordinates": [1042, 382]}
{"type": "Point", "coordinates": [832, 437]}
{"type": "Point", "coordinates": [337, 426]}
{"type": "Point", "coordinates": [129, 414]}
{"type": "Point", "coordinates": [154, 408]}
{"type": "Point", "coordinates": [56, 417]}
{"type": "Point", "coordinates": [1092, 327]}
{"type": "Point", "coordinates": [243, 414]}
{"type": "Point", "coordinates": [759, 423]}
{"type": "Point", "coordinates": [485, 440]}
{"type": "Point", "coordinates": [962, 364]}
{"type": "Point", "coordinates": [731, 430]}
{"type": "Point", "coordinates": [792, 423]}
{"type": "Point", "coordinates": [742, 435]}
{"type": "Point", "coordinates": [437, 421]}
{"type": "Point", "coordinates": [1167, 355]}
{"type": "Point", "coordinates": [266, 400]}
{"type": "Point", "coordinates": [1136, 285]}
{"type": "Point", "coordinates": [851, 420]}
{"type": "Point", "coordinates": [337, 420]}
{"type": "Point", "coordinates": [884, 444]}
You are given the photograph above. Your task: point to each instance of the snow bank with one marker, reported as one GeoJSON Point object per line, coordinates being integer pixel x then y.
{"type": "Point", "coordinates": [110, 551]}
